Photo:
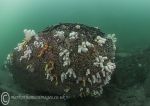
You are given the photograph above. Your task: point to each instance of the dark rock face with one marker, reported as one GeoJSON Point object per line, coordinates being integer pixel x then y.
{"type": "Point", "coordinates": [65, 59]}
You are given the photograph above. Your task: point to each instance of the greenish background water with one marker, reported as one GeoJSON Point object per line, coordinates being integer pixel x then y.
{"type": "Point", "coordinates": [129, 19]}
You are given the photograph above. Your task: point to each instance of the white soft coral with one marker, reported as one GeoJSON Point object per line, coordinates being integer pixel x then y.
{"type": "Point", "coordinates": [100, 40]}
{"type": "Point", "coordinates": [70, 72]}
{"type": "Point", "coordinates": [112, 37]}
{"type": "Point", "coordinates": [29, 34]}
{"type": "Point", "coordinates": [63, 77]}
{"type": "Point", "coordinates": [110, 67]}
{"type": "Point", "coordinates": [65, 54]}
{"type": "Point", "coordinates": [27, 54]}
{"type": "Point", "coordinates": [84, 47]}
{"type": "Point", "coordinates": [73, 35]}
{"type": "Point", "coordinates": [99, 61]}
{"type": "Point", "coordinates": [20, 46]}
{"type": "Point", "coordinates": [60, 34]}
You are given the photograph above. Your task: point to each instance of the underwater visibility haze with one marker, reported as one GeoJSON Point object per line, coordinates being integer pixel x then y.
{"type": "Point", "coordinates": [128, 19]}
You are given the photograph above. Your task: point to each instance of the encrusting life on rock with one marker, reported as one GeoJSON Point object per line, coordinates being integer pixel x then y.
{"type": "Point", "coordinates": [66, 59]}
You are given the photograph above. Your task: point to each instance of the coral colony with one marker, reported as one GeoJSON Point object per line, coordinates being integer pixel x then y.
{"type": "Point", "coordinates": [70, 59]}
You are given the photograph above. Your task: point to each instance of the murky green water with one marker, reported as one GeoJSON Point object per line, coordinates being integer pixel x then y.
{"type": "Point", "coordinates": [128, 19]}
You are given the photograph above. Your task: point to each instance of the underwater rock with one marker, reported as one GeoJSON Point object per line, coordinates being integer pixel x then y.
{"type": "Point", "coordinates": [65, 59]}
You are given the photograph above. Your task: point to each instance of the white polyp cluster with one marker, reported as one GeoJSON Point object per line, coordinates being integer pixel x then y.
{"type": "Point", "coordinates": [98, 75]}
{"type": "Point", "coordinates": [96, 93]}
{"type": "Point", "coordinates": [94, 79]}
{"type": "Point", "coordinates": [9, 58]}
{"type": "Point", "coordinates": [65, 53]}
{"type": "Point", "coordinates": [87, 90]}
{"type": "Point", "coordinates": [36, 37]}
{"type": "Point", "coordinates": [30, 68]}
{"type": "Point", "coordinates": [108, 78]}
{"type": "Point", "coordinates": [77, 26]}
{"type": "Point", "coordinates": [70, 72]}
{"type": "Point", "coordinates": [90, 81]}
{"type": "Point", "coordinates": [96, 27]}
{"type": "Point", "coordinates": [20, 46]}
{"type": "Point", "coordinates": [66, 90]}
{"type": "Point", "coordinates": [84, 46]}
{"type": "Point", "coordinates": [87, 72]}
{"type": "Point", "coordinates": [49, 77]}
{"type": "Point", "coordinates": [88, 44]}
{"type": "Point", "coordinates": [63, 76]}
{"type": "Point", "coordinates": [100, 40]}
{"type": "Point", "coordinates": [60, 34]}
{"type": "Point", "coordinates": [113, 38]}
{"type": "Point", "coordinates": [29, 34]}
{"type": "Point", "coordinates": [110, 67]}
{"type": "Point", "coordinates": [27, 53]}
{"type": "Point", "coordinates": [38, 44]}
{"type": "Point", "coordinates": [81, 89]}
{"type": "Point", "coordinates": [73, 35]}
{"type": "Point", "coordinates": [66, 59]}
{"type": "Point", "coordinates": [99, 61]}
